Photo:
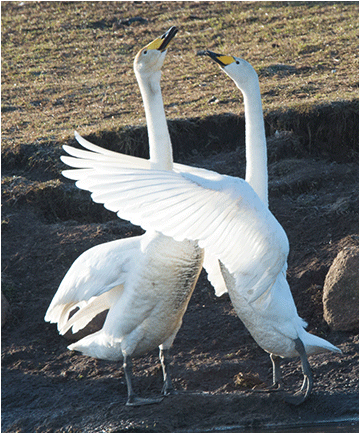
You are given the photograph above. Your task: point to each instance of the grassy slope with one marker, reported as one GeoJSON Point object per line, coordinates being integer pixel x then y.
{"type": "Point", "coordinates": [65, 65]}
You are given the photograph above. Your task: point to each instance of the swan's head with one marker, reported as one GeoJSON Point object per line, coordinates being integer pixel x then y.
{"type": "Point", "coordinates": [239, 70]}
{"type": "Point", "coordinates": [150, 59]}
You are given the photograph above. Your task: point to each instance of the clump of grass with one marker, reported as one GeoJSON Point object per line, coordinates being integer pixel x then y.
{"type": "Point", "coordinates": [248, 381]}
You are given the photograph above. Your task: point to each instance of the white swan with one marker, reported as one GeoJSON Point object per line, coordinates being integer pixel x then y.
{"type": "Point", "coordinates": [228, 219]}
{"type": "Point", "coordinates": [146, 282]}
{"type": "Point", "coordinates": [246, 79]}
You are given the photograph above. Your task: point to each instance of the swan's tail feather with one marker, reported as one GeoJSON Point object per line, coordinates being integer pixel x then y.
{"type": "Point", "coordinates": [98, 345]}
{"type": "Point", "coordinates": [59, 313]}
{"type": "Point", "coordinates": [88, 310]}
{"type": "Point", "coordinates": [314, 344]}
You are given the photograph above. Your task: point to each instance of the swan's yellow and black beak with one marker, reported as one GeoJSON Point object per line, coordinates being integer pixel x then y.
{"type": "Point", "coordinates": [218, 58]}
{"type": "Point", "coordinates": [162, 42]}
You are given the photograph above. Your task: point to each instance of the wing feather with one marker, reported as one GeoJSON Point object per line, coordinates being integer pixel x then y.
{"type": "Point", "coordinates": [114, 156]}
{"type": "Point", "coordinates": [94, 273]}
{"type": "Point", "coordinates": [212, 267]}
{"type": "Point", "coordinates": [222, 213]}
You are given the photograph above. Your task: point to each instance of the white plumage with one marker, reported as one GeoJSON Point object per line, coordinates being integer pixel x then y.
{"type": "Point", "coordinates": [272, 320]}
{"type": "Point", "coordinates": [146, 282]}
{"type": "Point", "coordinates": [224, 215]}
{"type": "Point", "coordinates": [220, 213]}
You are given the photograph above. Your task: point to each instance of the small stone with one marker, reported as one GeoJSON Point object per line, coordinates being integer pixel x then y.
{"type": "Point", "coordinates": [213, 100]}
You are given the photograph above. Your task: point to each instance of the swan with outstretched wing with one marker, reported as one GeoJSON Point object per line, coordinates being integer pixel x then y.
{"type": "Point", "coordinates": [145, 282]}
{"type": "Point", "coordinates": [227, 216]}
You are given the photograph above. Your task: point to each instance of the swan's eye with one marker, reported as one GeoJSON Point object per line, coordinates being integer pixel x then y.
{"type": "Point", "coordinates": [237, 62]}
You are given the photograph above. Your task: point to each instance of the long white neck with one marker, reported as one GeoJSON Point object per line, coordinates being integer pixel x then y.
{"type": "Point", "coordinates": [255, 142]}
{"type": "Point", "coordinates": [160, 148]}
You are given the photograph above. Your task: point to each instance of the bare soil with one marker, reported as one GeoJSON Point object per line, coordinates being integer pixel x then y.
{"type": "Point", "coordinates": [217, 367]}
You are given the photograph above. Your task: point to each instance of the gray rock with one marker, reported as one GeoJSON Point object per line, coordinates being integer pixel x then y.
{"type": "Point", "coordinates": [341, 291]}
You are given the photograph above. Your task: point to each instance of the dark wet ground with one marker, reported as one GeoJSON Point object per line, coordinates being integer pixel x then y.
{"type": "Point", "coordinates": [47, 388]}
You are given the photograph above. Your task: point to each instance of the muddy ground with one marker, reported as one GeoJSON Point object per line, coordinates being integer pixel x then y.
{"type": "Point", "coordinates": [216, 364]}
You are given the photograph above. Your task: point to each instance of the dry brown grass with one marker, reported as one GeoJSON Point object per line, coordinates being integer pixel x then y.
{"type": "Point", "coordinates": [66, 65]}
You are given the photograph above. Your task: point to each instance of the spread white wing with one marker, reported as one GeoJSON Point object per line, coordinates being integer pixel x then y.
{"type": "Point", "coordinates": [211, 263]}
{"type": "Point", "coordinates": [222, 213]}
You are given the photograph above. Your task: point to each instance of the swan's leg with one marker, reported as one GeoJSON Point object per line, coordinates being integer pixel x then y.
{"type": "Point", "coordinates": [277, 383]}
{"type": "Point", "coordinates": [132, 398]}
{"type": "Point", "coordinates": [168, 388]}
{"type": "Point", "coordinates": [305, 366]}
{"type": "Point", "coordinates": [306, 387]}
{"type": "Point", "coordinates": [127, 365]}
{"type": "Point", "coordinates": [276, 360]}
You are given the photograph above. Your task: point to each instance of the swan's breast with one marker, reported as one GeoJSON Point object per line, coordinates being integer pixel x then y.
{"type": "Point", "coordinates": [272, 320]}
{"type": "Point", "coordinates": [274, 336]}
{"type": "Point", "coordinates": [171, 274]}
{"type": "Point", "coordinates": [162, 291]}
